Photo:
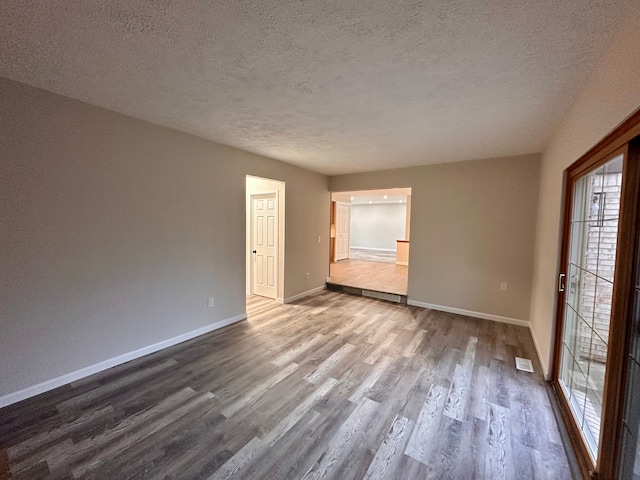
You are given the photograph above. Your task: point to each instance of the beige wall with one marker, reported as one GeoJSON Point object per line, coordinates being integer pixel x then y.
{"type": "Point", "coordinates": [472, 227]}
{"type": "Point", "coordinates": [116, 231]}
{"type": "Point", "coordinates": [611, 93]}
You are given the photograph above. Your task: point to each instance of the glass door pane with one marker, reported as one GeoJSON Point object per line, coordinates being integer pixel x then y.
{"type": "Point", "coordinates": [589, 295]}
{"type": "Point", "coordinates": [630, 468]}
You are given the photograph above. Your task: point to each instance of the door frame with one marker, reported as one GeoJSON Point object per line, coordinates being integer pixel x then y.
{"type": "Point", "coordinates": [616, 142]}
{"type": "Point", "coordinates": [267, 185]}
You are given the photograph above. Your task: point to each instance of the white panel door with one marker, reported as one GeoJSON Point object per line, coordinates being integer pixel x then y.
{"type": "Point", "coordinates": [343, 224]}
{"type": "Point", "coordinates": [265, 244]}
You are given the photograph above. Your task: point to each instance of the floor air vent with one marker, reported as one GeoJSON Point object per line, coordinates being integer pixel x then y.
{"type": "Point", "coordinates": [524, 364]}
{"type": "Point", "coordinates": [390, 297]}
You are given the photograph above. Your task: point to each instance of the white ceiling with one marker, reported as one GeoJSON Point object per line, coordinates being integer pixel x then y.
{"type": "Point", "coordinates": [334, 86]}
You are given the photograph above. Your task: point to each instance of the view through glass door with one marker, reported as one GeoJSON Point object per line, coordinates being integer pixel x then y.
{"type": "Point", "coordinates": [588, 296]}
{"type": "Point", "coordinates": [630, 469]}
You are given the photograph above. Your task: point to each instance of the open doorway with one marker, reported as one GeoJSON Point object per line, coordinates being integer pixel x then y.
{"type": "Point", "coordinates": [370, 238]}
{"type": "Point", "coordinates": [265, 227]}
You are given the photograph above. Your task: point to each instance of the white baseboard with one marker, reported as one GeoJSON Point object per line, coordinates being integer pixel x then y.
{"type": "Point", "coordinates": [402, 263]}
{"type": "Point", "coordinates": [543, 364]}
{"type": "Point", "coordinates": [374, 249]}
{"type": "Point", "coordinates": [112, 362]}
{"type": "Point", "coordinates": [469, 313]}
{"type": "Point", "coordinates": [304, 294]}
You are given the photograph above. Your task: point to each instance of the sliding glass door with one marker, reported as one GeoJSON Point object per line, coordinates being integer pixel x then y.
{"type": "Point", "coordinates": [596, 368]}
{"type": "Point", "coordinates": [588, 286]}
{"type": "Point", "coordinates": [630, 461]}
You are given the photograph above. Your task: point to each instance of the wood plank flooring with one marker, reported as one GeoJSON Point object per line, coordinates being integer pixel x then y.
{"type": "Point", "coordinates": [333, 387]}
{"type": "Point", "coordinates": [382, 277]}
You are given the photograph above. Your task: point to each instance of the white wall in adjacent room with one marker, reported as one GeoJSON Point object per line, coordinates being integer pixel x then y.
{"type": "Point", "coordinates": [378, 225]}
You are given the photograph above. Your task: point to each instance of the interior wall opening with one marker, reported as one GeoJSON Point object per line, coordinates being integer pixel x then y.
{"type": "Point", "coordinates": [370, 242]}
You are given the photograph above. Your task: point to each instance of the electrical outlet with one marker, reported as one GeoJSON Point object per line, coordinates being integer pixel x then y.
{"type": "Point", "coordinates": [307, 275]}
{"type": "Point", "coordinates": [503, 286]}
{"type": "Point", "coordinates": [212, 302]}
{"type": "Point", "coordinates": [318, 238]}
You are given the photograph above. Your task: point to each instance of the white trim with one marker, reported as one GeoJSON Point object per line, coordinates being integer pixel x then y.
{"type": "Point", "coordinates": [373, 248]}
{"type": "Point", "coordinates": [344, 204]}
{"type": "Point", "coordinates": [402, 263]}
{"type": "Point", "coordinates": [304, 294]}
{"type": "Point", "coordinates": [469, 313]}
{"type": "Point", "coordinates": [112, 362]}
{"type": "Point", "coordinates": [543, 364]}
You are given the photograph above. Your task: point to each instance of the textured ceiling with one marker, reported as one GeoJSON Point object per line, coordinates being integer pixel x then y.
{"type": "Point", "coordinates": [334, 86]}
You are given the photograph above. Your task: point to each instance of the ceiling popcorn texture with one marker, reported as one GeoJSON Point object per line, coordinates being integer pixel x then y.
{"type": "Point", "coordinates": [334, 86]}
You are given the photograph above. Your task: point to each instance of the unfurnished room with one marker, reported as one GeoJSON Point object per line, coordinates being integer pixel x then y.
{"type": "Point", "coordinates": [320, 240]}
